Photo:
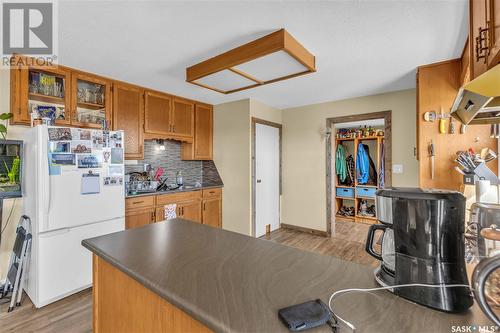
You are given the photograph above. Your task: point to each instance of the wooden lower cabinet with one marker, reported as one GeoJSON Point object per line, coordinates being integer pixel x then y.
{"type": "Point", "coordinates": [212, 212]}
{"type": "Point", "coordinates": [203, 206]}
{"type": "Point", "coordinates": [190, 211]}
{"type": "Point", "coordinates": [139, 218]}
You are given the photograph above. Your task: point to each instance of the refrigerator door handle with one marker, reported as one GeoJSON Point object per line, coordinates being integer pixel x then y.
{"type": "Point", "coordinates": [45, 173]}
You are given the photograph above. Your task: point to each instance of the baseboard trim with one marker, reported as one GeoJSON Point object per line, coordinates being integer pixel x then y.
{"type": "Point", "coordinates": [303, 229]}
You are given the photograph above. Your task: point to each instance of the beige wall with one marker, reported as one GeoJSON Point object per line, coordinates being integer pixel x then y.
{"type": "Point", "coordinates": [12, 207]}
{"type": "Point", "coordinates": [232, 156]}
{"type": "Point", "coordinates": [304, 151]}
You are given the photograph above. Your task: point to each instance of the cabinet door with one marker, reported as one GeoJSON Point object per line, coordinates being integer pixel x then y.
{"type": "Point", "coordinates": [494, 37]}
{"type": "Point", "coordinates": [42, 89]}
{"type": "Point", "coordinates": [128, 115]}
{"type": "Point", "coordinates": [201, 147]}
{"type": "Point", "coordinates": [157, 113]}
{"type": "Point", "coordinates": [477, 37]}
{"type": "Point", "coordinates": [183, 118]}
{"type": "Point", "coordinates": [139, 218]}
{"type": "Point", "coordinates": [212, 212]}
{"type": "Point", "coordinates": [160, 214]}
{"type": "Point", "coordinates": [190, 211]}
{"type": "Point", "coordinates": [90, 100]}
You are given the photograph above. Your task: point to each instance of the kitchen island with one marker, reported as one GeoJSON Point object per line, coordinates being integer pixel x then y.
{"type": "Point", "coordinates": [186, 277]}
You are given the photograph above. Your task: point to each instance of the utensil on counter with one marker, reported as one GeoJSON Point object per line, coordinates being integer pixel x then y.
{"type": "Point", "coordinates": [442, 123]}
{"type": "Point", "coordinates": [430, 116]}
{"type": "Point", "coordinates": [159, 173]}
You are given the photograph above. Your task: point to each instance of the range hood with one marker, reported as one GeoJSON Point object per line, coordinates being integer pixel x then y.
{"type": "Point", "coordinates": [478, 102]}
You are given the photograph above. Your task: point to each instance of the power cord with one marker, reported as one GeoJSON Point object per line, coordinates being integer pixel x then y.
{"type": "Point", "coordinates": [8, 218]}
{"type": "Point", "coordinates": [343, 291]}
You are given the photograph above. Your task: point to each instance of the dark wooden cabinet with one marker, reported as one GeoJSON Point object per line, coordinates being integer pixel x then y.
{"type": "Point", "coordinates": [182, 118]}
{"type": "Point", "coordinates": [202, 146]}
{"type": "Point", "coordinates": [157, 114]}
{"type": "Point", "coordinates": [128, 115]}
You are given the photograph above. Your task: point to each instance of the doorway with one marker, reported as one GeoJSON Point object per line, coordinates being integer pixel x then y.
{"type": "Point", "coordinates": [350, 200]}
{"type": "Point", "coordinates": [266, 176]}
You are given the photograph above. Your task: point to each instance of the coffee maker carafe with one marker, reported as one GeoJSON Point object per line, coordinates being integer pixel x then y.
{"type": "Point", "coordinates": [422, 243]}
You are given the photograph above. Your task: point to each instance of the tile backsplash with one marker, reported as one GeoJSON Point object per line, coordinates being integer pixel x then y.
{"type": "Point", "coordinates": [203, 172]}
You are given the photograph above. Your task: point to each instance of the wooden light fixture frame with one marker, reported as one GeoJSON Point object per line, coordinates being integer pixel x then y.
{"type": "Point", "coordinates": [279, 40]}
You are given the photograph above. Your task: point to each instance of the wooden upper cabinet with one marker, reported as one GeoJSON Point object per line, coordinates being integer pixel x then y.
{"type": "Point", "coordinates": [478, 37]}
{"type": "Point", "coordinates": [157, 113]}
{"type": "Point", "coordinates": [43, 89]}
{"type": "Point", "coordinates": [183, 118]}
{"type": "Point", "coordinates": [493, 14]}
{"type": "Point", "coordinates": [128, 115]}
{"type": "Point", "coordinates": [202, 147]}
{"type": "Point", "coordinates": [90, 100]}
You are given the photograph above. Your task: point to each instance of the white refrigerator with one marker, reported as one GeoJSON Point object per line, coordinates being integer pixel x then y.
{"type": "Point", "coordinates": [74, 189]}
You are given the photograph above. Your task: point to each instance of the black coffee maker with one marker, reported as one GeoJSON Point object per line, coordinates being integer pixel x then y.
{"type": "Point", "coordinates": [422, 242]}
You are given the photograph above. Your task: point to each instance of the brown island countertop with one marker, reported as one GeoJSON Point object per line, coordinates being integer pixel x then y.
{"type": "Point", "coordinates": [234, 283]}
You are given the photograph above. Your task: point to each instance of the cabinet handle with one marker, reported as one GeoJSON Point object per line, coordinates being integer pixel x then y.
{"type": "Point", "coordinates": [204, 206]}
{"type": "Point", "coordinates": [137, 202]}
{"type": "Point", "coordinates": [482, 43]}
{"type": "Point", "coordinates": [173, 128]}
{"type": "Point", "coordinates": [153, 215]}
{"type": "Point", "coordinates": [182, 211]}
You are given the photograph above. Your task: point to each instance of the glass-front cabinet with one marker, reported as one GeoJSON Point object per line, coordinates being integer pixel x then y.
{"type": "Point", "coordinates": [58, 93]}
{"type": "Point", "coordinates": [42, 91]}
{"type": "Point", "coordinates": [91, 101]}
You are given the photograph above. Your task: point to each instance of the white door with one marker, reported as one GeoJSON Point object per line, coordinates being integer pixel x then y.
{"type": "Point", "coordinates": [267, 178]}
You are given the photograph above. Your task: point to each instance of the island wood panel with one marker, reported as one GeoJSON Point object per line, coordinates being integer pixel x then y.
{"type": "Point", "coordinates": [182, 118]}
{"type": "Point", "coordinates": [128, 115]}
{"type": "Point", "coordinates": [437, 86]}
{"type": "Point", "coordinates": [202, 147]}
{"type": "Point", "coordinates": [121, 304]}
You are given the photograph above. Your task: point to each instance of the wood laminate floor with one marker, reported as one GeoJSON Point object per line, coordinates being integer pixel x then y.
{"type": "Point", "coordinates": [74, 313]}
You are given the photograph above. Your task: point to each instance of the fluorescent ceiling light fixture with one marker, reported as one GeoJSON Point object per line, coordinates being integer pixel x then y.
{"type": "Point", "coordinates": [275, 57]}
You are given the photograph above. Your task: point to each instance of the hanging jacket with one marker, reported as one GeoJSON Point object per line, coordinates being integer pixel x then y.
{"type": "Point", "coordinates": [362, 165]}
{"type": "Point", "coordinates": [340, 163]}
{"type": "Point", "coordinates": [372, 171]}
{"type": "Point", "coordinates": [350, 171]}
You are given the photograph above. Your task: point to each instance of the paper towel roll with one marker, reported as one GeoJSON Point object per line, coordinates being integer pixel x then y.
{"type": "Point", "coordinates": [485, 192]}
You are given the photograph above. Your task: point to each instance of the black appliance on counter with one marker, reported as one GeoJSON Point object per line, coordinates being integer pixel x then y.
{"type": "Point", "coordinates": [422, 243]}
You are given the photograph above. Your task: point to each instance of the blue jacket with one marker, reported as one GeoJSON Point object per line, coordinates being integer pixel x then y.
{"type": "Point", "coordinates": [362, 165]}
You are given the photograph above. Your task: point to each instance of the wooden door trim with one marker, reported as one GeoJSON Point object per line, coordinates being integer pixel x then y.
{"type": "Point", "coordinates": [330, 193]}
{"type": "Point", "coordinates": [256, 121]}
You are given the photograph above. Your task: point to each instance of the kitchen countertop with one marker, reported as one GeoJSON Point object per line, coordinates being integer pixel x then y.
{"type": "Point", "coordinates": [196, 188]}
{"type": "Point", "coordinates": [235, 283]}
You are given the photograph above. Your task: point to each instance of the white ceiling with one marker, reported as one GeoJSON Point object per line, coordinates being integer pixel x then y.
{"type": "Point", "coordinates": [361, 47]}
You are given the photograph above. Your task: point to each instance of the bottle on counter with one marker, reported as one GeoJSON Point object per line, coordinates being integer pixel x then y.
{"type": "Point", "coordinates": [179, 180]}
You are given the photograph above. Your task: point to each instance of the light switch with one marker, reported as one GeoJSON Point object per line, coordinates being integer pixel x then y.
{"type": "Point", "coordinates": [397, 168]}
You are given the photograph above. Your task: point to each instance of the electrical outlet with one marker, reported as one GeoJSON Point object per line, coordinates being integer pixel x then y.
{"type": "Point", "coordinates": [397, 168]}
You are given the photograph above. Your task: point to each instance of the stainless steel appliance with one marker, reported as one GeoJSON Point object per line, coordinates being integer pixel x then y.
{"type": "Point", "coordinates": [484, 242]}
{"type": "Point", "coordinates": [422, 243]}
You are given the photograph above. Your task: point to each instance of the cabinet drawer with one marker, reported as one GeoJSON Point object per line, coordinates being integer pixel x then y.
{"type": "Point", "coordinates": [177, 197]}
{"type": "Point", "coordinates": [139, 202]}
{"type": "Point", "coordinates": [367, 192]}
{"type": "Point", "coordinates": [345, 192]}
{"type": "Point", "coordinates": [212, 192]}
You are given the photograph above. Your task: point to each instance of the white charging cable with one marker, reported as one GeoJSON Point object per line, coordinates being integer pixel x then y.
{"type": "Point", "coordinates": [343, 291]}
